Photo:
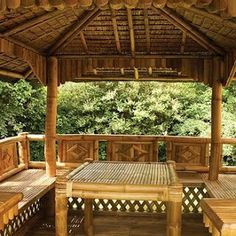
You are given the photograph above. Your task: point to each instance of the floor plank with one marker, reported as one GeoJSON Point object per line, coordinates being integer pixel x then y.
{"type": "Point", "coordinates": [125, 226]}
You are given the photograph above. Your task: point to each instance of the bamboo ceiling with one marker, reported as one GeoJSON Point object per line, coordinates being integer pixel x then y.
{"type": "Point", "coordinates": [167, 40]}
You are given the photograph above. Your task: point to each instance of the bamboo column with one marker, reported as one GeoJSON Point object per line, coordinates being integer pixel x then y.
{"type": "Point", "coordinates": [88, 217]}
{"type": "Point", "coordinates": [216, 110]}
{"type": "Point", "coordinates": [51, 116]}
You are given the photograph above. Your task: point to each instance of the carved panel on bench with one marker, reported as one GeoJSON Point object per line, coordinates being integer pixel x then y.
{"type": "Point", "coordinates": [195, 154]}
{"type": "Point", "coordinates": [8, 157]}
{"type": "Point", "coordinates": [78, 151]}
{"type": "Point", "coordinates": [132, 151]}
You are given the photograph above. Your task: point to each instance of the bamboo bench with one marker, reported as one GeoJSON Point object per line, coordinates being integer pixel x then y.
{"type": "Point", "coordinates": [15, 176]}
{"type": "Point", "coordinates": [220, 216]}
{"type": "Point", "coordinates": [224, 187]}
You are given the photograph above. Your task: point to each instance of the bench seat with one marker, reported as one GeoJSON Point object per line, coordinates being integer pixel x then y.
{"type": "Point", "coordinates": [224, 187]}
{"type": "Point", "coordinates": [33, 183]}
{"type": "Point", "coordinates": [220, 216]}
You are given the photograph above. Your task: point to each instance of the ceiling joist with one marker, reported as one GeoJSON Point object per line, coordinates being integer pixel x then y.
{"type": "Point", "coordinates": [11, 74]}
{"type": "Point", "coordinates": [74, 30]}
{"type": "Point", "coordinates": [131, 31]}
{"type": "Point", "coordinates": [115, 29]}
{"type": "Point", "coordinates": [147, 30]}
{"type": "Point", "coordinates": [190, 31]}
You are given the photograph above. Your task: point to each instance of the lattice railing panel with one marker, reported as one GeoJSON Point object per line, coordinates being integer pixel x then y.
{"type": "Point", "coordinates": [191, 203]}
{"type": "Point", "coordinates": [191, 199]}
{"type": "Point", "coordinates": [21, 219]}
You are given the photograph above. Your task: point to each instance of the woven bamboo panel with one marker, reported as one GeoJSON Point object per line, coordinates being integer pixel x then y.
{"type": "Point", "coordinates": [132, 151]}
{"type": "Point", "coordinates": [78, 151]}
{"type": "Point", "coordinates": [222, 32]}
{"type": "Point", "coordinates": [8, 157]}
{"type": "Point", "coordinates": [100, 39]}
{"type": "Point", "coordinates": [15, 18]}
{"type": "Point", "coordinates": [191, 203]}
{"type": "Point", "coordinates": [42, 35]}
{"type": "Point", "coordinates": [184, 154]}
{"type": "Point", "coordinates": [14, 64]}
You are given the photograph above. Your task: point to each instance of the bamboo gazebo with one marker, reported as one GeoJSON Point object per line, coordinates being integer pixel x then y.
{"type": "Point", "coordinates": [55, 41]}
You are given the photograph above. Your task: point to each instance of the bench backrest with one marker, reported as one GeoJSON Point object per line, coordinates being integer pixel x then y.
{"type": "Point", "coordinates": [8, 157]}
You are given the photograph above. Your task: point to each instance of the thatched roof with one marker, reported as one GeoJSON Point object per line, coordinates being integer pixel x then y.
{"type": "Point", "coordinates": [158, 40]}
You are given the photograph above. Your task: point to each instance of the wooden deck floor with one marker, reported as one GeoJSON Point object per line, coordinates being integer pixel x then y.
{"type": "Point", "coordinates": [125, 226]}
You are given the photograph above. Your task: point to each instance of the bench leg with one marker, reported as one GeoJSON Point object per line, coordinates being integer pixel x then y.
{"type": "Point", "coordinates": [174, 218]}
{"type": "Point", "coordinates": [61, 215]}
{"type": "Point", "coordinates": [88, 217]}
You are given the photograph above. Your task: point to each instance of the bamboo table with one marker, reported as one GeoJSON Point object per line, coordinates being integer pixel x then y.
{"type": "Point", "coordinates": [8, 207]}
{"type": "Point", "coordinates": [121, 181]}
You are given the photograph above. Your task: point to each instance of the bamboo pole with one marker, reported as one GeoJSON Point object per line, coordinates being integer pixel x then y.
{"type": "Point", "coordinates": [24, 149]}
{"type": "Point", "coordinates": [51, 115]}
{"type": "Point", "coordinates": [61, 215]}
{"type": "Point", "coordinates": [88, 217]}
{"type": "Point", "coordinates": [216, 147]}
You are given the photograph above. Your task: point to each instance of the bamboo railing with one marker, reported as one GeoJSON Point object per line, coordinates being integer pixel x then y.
{"type": "Point", "coordinates": [192, 152]}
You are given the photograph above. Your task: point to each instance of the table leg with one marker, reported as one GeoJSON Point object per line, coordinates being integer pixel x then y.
{"type": "Point", "coordinates": [88, 217]}
{"type": "Point", "coordinates": [174, 218]}
{"type": "Point", "coordinates": [61, 215]}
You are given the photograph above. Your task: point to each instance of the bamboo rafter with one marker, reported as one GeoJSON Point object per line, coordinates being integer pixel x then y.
{"type": "Point", "coordinates": [147, 30]}
{"type": "Point", "coordinates": [115, 29]}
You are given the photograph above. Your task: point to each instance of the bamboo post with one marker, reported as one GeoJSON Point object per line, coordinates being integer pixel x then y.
{"type": "Point", "coordinates": [51, 115]}
{"type": "Point", "coordinates": [174, 221]}
{"type": "Point", "coordinates": [24, 149]}
{"type": "Point", "coordinates": [88, 217]}
{"type": "Point", "coordinates": [61, 215]}
{"type": "Point", "coordinates": [216, 146]}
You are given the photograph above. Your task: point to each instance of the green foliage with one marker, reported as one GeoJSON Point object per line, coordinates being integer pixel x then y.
{"type": "Point", "coordinates": [22, 108]}
{"type": "Point", "coordinates": [117, 108]}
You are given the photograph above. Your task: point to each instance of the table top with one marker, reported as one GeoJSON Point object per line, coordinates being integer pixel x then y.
{"type": "Point", "coordinates": [118, 173]}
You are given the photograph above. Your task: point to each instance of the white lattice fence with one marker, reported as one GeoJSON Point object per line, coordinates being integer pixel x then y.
{"type": "Point", "coordinates": [191, 203]}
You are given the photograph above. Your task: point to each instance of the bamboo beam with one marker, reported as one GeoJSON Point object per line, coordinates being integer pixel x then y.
{"type": "Point", "coordinates": [131, 31]}
{"type": "Point", "coordinates": [151, 56]}
{"type": "Point", "coordinates": [216, 110]}
{"type": "Point", "coordinates": [51, 116]}
{"type": "Point", "coordinates": [183, 42]}
{"type": "Point", "coordinates": [74, 30]}
{"type": "Point", "coordinates": [115, 29]}
{"type": "Point", "coordinates": [11, 74]}
{"type": "Point", "coordinates": [190, 31]}
{"type": "Point", "coordinates": [131, 78]}
{"type": "Point", "coordinates": [232, 74]}
{"type": "Point", "coordinates": [147, 30]}
{"type": "Point", "coordinates": [83, 40]}
{"type": "Point", "coordinates": [29, 24]}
